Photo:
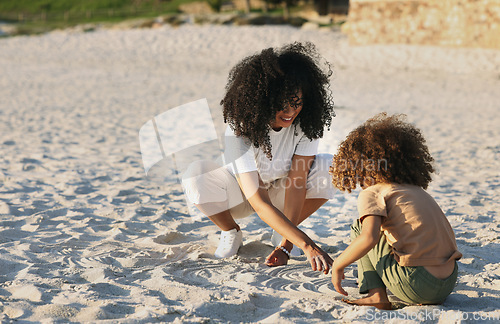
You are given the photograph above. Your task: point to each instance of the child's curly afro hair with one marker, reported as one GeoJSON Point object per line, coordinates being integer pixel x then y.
{"type": "Point", "coordinates": [385, 149]}
{"type": "Point", "coordinates": [261, 85]}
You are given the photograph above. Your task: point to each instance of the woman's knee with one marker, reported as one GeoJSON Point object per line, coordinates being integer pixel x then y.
{"type": "Point", "coordinates": [198, 168]}
{"type": "Point", "coordinates": [319, 182]}
{"type": "Point", "coordinates": [203, 181]}
{"type": "Point", "coordinates": [323, 162]}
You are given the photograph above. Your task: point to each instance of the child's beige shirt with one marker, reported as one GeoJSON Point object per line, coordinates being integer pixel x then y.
{"type": "Point", "coordinates": [414, 224]}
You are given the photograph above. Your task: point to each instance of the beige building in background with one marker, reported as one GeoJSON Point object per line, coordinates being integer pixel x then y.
{"type": "Point", "coordinates": [464, 23]}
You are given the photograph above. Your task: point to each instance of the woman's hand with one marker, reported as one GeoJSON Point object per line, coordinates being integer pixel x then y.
{"type": "Point", "coordinates": [320, 261]}
{"type": "Point", "coordinates": [337, 277]}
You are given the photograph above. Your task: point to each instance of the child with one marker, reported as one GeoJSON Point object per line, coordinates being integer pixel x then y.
{"type": "Point", "coordinates": [402, 240]}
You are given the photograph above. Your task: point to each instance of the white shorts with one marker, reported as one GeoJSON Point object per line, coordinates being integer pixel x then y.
{"type": "Point", "coordinates": [213, 186]}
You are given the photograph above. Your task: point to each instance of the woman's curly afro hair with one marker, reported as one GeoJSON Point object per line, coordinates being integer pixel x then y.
{"type": "Point", "coordinates": [385, 149]}
{"type": "Point", "coordinates": [261, 85]}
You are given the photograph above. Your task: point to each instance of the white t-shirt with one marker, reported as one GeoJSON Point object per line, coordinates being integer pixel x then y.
{"type": "Point", "coordinates": [241, 156]}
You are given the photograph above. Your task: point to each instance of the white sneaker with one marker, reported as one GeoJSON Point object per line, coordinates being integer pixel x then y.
{"type": "Point", "coordinates": [230, 242]}
{"type": "Point", "coordinates": [276, 241]}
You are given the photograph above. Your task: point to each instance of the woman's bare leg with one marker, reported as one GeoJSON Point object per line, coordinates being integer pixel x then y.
{"type": "Point", "coordinates": [310, 206]}
{"type": "Point", "coordinates": [277, 258]}
{"type": "Point", "coordinates": [224, 220]}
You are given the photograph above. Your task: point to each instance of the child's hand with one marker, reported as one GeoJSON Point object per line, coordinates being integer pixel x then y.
{"type": "Point", "coordinates": [337, 276]}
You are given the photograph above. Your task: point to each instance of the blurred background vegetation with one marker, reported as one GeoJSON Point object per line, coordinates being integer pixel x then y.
{"type": "Point", "coordinates": [98, 10]}
{"type": "Point", "coordinates": [84, 10]}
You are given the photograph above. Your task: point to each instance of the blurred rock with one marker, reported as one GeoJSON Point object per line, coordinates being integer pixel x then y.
{"type": "Point", "coordinates": [219, 19]}
{"type": "Point", "coordinates": [310, 26]}
{"type": "Point", "coordinates": [176, 20]}
{"type": "Point", "coordinates": [313, 16]}
{"type": "Point", "coordinates": [296, 21]}
{"type": "Point", "coordinates": [254, 4]}
{"type": "Point", "coordinates": [196, 8]}
{"type": "Point", "coordinates": [464, 23]}
{"type": "Point", "coordinates": [7, 29]}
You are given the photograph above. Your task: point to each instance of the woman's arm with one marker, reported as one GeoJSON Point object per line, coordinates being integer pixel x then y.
{"type": "Point", "coordinates": [369, 237]}
{"type": "Point", "coordinates": [258, 197]}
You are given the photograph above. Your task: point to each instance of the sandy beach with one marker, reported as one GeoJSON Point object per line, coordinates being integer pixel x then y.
{"type": "Point", "coordinates": [86, 236]}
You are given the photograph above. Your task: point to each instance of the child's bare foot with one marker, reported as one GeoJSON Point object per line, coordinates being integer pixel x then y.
{"type": "Point", "coordinates": [376, 297]}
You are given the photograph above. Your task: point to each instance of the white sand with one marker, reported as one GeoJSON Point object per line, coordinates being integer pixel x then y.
{"type": "Point", "coordinates": [86, 236]}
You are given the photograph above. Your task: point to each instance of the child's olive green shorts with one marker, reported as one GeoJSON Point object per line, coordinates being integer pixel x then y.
{"type": "Point", "coordinates": [414, 285]}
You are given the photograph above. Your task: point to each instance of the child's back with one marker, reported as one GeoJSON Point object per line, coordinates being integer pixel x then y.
{"type": "Point", "coordinates": [414, 225]}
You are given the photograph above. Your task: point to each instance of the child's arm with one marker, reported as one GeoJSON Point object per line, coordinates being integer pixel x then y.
{"type": "Point", "coordinates": [369, 237]}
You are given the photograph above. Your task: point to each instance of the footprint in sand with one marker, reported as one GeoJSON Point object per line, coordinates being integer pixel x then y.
{"type": "Point", "coordinates": [56, 311]}
{"type": "Point", "coordinates": [107, 290]}
{"type": "Point", "coordinates": [28, 292]}
{"type": "Point", "coordinates": [127, 196]}
{"type": "Point", "coordinates": [85, 190]}
{"type": "Point", "coordinates": [170, 238]}
{"type": "Point", "coordinates": [96, 275]}
{"type": "Point", "coordinates": [13, 313]}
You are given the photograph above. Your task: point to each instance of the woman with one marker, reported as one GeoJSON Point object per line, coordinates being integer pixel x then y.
{"type": "Point", "coordinates": [277, 104]}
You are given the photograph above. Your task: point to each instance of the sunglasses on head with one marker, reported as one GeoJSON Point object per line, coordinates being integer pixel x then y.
{"type": "Point", "coordinates": [295, 101]}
